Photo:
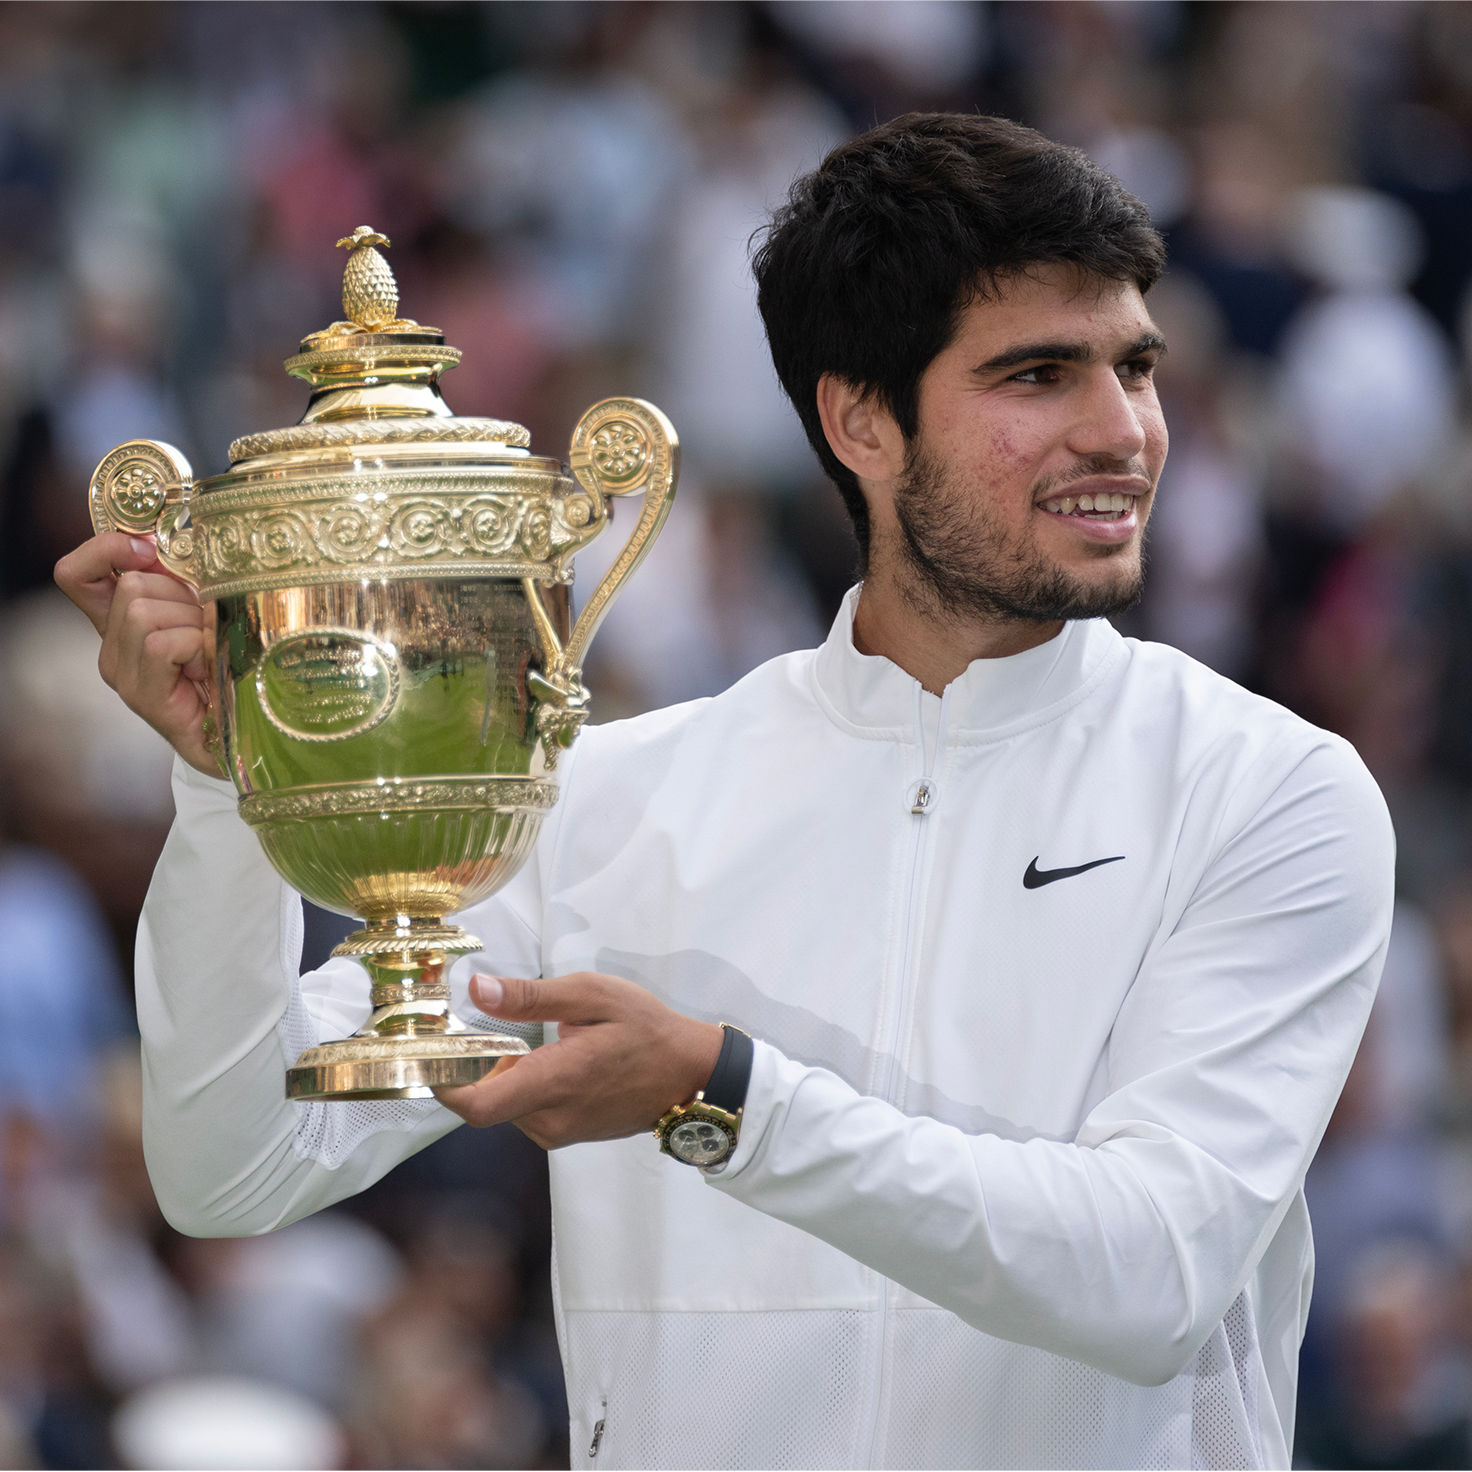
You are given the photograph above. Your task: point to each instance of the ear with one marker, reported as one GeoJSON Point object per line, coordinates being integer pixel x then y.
{"type": "Point", "coordinates": [860, 431]}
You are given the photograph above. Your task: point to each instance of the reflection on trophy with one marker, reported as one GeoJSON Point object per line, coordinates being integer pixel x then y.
{"type": "Point", "coordinates": [397, 667]}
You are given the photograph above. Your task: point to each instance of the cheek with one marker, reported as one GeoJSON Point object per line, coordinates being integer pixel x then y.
{"type": "Point", "coordinates": [1014, 448]}
{"type": "Point", "coordinates": [996, 453]}
{"type": "Point", "coordinates": [1010, 452]}
{"type": "Point", "coordinates": [1157, 438]}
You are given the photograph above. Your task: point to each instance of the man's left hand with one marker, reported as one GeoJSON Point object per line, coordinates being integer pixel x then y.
{"type": "Point", "coordinates": [621, 1059]}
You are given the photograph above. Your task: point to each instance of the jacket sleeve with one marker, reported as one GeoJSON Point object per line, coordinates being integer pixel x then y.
{"type": "Point", "coordinates": [223, 1013]}
{"type": "Point", "coordinates": [1124, 1246]}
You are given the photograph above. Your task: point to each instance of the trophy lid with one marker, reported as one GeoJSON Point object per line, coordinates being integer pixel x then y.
{"type": "Point", "coordinates": [375, 375]}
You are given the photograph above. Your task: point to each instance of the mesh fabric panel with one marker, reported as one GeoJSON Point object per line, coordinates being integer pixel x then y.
{"type": "Point", "coordinates": [960, 1399]}
{"type": "Point", "coordinates": [804, 1389]}
{"type": "Point", "coordinates": [1225, 1404]}
{"type": "Point", "coordinates": [719, 1389]}
{"type": "Point", "coordinates": [329, 1132]}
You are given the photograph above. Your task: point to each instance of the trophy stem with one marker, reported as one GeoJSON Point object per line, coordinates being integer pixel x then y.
{"type": "Point", "coordinates": [412, 1042]}
{"type": "Point", "coordinates": [409, 961]}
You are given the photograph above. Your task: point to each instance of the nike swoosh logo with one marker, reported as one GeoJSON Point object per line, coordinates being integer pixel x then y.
{"type": "Point", "coordinates": [1036, 878]}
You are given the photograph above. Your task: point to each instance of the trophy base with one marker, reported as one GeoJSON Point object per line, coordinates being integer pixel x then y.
{"type": "Point", "coordinates": [396, 1067]}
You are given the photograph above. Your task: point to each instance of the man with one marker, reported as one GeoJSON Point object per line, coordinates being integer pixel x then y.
{"type": "Point", "coordinates": [1056, 947]}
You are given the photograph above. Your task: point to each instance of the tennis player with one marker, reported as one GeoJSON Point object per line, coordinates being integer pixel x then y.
{"type": "Point", "coordinates": [937, 1026]}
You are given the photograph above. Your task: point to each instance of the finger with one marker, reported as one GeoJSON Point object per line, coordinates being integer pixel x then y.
{"type": "Point", "coordinates": [509, 1061]}
{"type": "Point", "coordinates": [583, 996]}
{"type": "Point", "coordinates": [539, 1081]}
{"type": "Point", "coordinates": [160, 587]}
{"type": "Point", "coordinates": [140, 601]}
{"type": "Point", "coordinates": [143, 605]}
{"type": "Point", "coordinates": [88, 575]}
{"type": "Point", "coordinates": [173, 660]}
{"type": "Point", "coordinates": [160, 690]}
{"type": "Point", "coordinates": [156, 656]}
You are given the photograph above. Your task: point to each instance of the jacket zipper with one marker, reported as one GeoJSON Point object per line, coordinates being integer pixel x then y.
{"type": "Point", "coordinates": [923, 796]}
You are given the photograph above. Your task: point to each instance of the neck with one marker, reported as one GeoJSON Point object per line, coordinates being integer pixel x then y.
{"type": "Point", "coordinates": [934, 647]}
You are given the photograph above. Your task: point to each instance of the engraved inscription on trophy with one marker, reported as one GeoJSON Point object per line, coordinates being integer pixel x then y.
{"type": "Point", "coordinates": [328, 684]}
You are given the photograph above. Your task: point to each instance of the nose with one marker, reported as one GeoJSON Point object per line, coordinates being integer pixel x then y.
{"type": "Point", "coordinates": [1113, 417]}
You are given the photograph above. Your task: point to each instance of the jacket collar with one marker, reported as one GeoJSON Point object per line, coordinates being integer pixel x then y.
{"type": "Point", "coordinates": [872, 696]}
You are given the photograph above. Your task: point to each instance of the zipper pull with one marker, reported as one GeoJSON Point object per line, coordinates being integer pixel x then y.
{"type": "Point", "coordinates": [597, 1436]}
{"type": "Point", "coordinates": [923, 797]}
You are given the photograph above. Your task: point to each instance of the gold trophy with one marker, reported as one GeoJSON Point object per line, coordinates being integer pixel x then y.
{"type": "Point", "coordinates": [397, 667]}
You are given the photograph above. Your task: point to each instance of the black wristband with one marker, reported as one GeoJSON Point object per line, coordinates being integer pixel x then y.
{"type": "Point", "coordinates": [732, 1073]}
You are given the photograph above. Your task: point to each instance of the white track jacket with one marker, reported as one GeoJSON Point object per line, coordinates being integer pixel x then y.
{"type": "Point", "coordinates": [1055, 981]}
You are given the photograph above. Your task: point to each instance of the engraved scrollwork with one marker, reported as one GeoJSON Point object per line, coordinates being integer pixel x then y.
{"type": "Point", "coordinates": [281, 540]}
{"type": "Point", "coordinates": [227, 546]}
{"type": "Point", "coordinates": [536, 533]}
{"type": "Point", "coordinates": [491, 524]}
{"type": "Point", "coordinates": [347, 533]}
{"type": "Point", "coordinates": [421, 528]}
{"type": "Point", "coordinates": [500, 526]}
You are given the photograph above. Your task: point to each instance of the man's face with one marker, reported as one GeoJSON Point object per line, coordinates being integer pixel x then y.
{"type": "Point", "coordinates": [1029, 481]}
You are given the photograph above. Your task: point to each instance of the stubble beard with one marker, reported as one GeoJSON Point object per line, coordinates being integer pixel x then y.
{"type": "Point", "coordinates": [964, 562]}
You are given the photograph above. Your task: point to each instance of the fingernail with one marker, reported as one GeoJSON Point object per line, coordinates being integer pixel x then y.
{"type": "Point", "coordinates": [142, 548]}
{"type": "Point", "coordinates": [488, 991]}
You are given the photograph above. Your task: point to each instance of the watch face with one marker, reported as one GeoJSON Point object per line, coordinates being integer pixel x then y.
{"type": "Point", "coordinates": [701, 1141]}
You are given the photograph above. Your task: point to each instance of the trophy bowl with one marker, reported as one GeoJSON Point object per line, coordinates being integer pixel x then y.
{"type": "Point", "coordinates": [396, 663]}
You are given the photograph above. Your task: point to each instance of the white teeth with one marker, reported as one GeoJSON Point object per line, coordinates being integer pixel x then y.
{"type": "Point", "coordinates": [1104, 503]}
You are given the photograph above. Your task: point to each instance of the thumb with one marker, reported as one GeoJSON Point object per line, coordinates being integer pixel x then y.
{"type": "Point", "coordinates": [506, 996]}
{"type": "Point", "coordinates": [487, 993]}
{"type": "Point", "coordinates": [581, 997]}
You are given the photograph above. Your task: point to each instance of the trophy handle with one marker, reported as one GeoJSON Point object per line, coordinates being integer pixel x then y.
{"type": "Point", "coordinates": [622, 447]}
{"type": "Point", "coordinates": [143, 487]}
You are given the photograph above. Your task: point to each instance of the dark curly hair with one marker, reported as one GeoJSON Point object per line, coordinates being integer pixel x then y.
{"type": "Point", "coordinates": [866, 269]}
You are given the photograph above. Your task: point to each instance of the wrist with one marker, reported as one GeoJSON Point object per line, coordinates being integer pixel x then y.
{"type": "Point", "coordinates": [705, 1130]}
{"type": "Point", "coordinates": [704, 1052]}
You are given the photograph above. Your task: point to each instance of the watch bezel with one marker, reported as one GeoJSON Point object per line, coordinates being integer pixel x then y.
{"type": "Point", "coordinates": [697, 1111]}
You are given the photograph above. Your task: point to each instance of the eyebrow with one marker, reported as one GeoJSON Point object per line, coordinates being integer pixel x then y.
{"type": "Point", "coordinates": [1065, 352]}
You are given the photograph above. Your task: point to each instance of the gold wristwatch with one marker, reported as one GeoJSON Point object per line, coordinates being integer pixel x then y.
{"type": "Point", "coordinates": [704, 1131]}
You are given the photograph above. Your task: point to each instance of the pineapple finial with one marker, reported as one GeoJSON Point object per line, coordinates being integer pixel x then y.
{"type": "Point", "coordinates": [370, 295]}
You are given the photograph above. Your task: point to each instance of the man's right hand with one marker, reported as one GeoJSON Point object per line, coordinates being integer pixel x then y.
{"type": "Point", "coordinates": [156, 639]}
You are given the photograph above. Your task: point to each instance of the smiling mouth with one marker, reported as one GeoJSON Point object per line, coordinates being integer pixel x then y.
{"type": "Point", "coordinates": [1105, 506]}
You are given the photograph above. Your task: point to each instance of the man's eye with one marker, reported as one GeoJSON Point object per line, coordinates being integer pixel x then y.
{"type": "Point", "coordinates": [1139, 368]}
{"type": "Point", "coordinates": [1043, 373]}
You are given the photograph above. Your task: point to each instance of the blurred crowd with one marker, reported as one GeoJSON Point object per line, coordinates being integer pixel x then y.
{"type": "Point", "coordinates": [571, 190]}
